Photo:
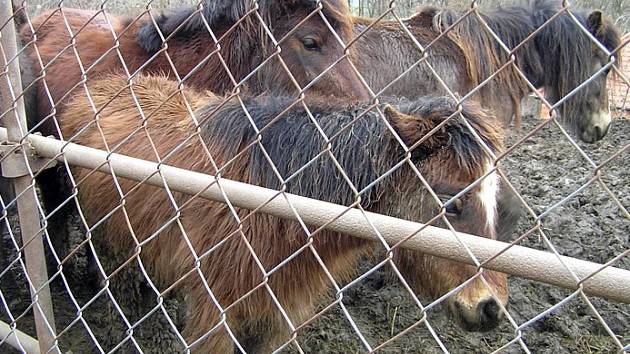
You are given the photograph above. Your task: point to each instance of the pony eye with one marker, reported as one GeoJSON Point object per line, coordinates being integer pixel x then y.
{"type": "Point", "coordinates": [454, 208]}
{"type": "Point", "coordinates": [310, 43]}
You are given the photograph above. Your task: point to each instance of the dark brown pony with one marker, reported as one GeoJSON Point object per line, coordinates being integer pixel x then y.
{"type": "Point", "coordinates": [308, 49]}
{"type": "Point", "coordinates": [558, 58]}
{"type": "Point", "coordinates": [450, 159]}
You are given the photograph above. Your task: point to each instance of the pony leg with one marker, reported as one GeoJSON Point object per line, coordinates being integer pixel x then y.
{"type": "Point", "coordinates": [218, 341]}
{"type": "Point", "coordinates": [267, 337]}
{"type": "Point", "coordinates": [270, 331]}
{"type": "Point", "coordinates": [264, 336]}
{"type": "Point", "coordinates": [516, 103]}
{"type": "Point", "coordinates": [203, 317]}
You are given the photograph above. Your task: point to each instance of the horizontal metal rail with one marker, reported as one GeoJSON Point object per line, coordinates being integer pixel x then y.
{"type": "Point", "coordinates": [603, 281]}
{"type": "Point", "coordinates": [18, 339]}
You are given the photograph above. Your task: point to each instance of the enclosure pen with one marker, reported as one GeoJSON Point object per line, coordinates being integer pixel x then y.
{"type": "Point", "coordinates": [288, 176]}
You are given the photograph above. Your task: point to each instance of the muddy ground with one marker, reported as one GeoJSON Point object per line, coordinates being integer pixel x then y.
{"type": "Point", "coordinates": [543, 169]}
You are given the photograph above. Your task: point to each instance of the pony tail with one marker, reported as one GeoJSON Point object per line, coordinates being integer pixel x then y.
{"type": "Point", "coordinates": [148, 37]}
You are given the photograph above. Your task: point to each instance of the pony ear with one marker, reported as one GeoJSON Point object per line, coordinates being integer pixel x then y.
{"type": "Point", "coordinates": [595, 21]}
{"type": "Point", "coordinates": [604, 30]}
{"type": "Point", "coordinates": [424, 17]}
{"type": "Point", "coordinates": [411, 128]}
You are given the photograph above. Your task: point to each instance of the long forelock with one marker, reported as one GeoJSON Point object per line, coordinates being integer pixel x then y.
{"type": "Point", "coordinates": [467, 149]}
{"type": "Point", "coordinates": [475, 162]}
{"type": "Point", "coordinates": [338, 14]}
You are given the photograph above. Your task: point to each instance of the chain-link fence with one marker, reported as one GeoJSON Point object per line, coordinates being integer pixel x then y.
{"type": "Point", "coordinates": [287, 176]}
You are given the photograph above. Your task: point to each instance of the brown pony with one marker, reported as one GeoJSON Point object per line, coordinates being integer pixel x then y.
{"type": "Point", "coordinates": [237, 254]}
{"type": "Point", "coordinates": [308, 48]}
{"type": "Point", "coordinates": [559, 58]}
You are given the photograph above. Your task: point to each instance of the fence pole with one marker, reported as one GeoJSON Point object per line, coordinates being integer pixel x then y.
{"type": "Point", "coordinates": [31, 231]}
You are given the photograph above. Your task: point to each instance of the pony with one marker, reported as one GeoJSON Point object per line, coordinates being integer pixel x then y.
{"type": "Point", "coordinates": [558, 58]}
{"type": "Point", "coordinates": [244, 56]}
{"type": "Point", "coordinates": [243, 262]}
{"type": "Point", "coordinates": [104, 44]}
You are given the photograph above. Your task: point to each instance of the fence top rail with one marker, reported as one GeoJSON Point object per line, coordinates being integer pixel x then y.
{"type": "Point", "coordinates": [595, 279]}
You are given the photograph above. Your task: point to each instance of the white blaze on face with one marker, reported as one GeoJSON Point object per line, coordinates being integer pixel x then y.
{"type": "Point", "coordinates": [488, 190]}
{"type": "Point", "coordinates": [602, 119]}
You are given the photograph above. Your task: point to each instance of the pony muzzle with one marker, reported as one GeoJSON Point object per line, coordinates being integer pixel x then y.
{"type": "Point", "coordinates": [475, 308]}
{"type": "Point", "coordinates": [601, 122]}
{"type": "Point", "coordinates": [350, 80]}
{"type": "Point", "coordinates": [479, 316]}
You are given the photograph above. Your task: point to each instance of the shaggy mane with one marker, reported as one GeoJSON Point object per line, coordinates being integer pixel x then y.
{"type": "Point", "coordinates": [223, 14]}
{"type": "Point", "coordinates": [365, 150]}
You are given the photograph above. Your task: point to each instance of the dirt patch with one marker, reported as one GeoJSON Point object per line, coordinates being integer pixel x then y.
{"type": "Point", "coordinates": [544, 169]}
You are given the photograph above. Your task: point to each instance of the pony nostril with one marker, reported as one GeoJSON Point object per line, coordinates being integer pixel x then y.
{"type": "Point", "coordinates": [489, 312]}
{"type": "Point", "coordinates": [601, 132]}
{"type": "Point", "coordinates": [598, 132]}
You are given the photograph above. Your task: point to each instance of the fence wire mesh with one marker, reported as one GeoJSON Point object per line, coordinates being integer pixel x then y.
{"type": "Point", "coordinates": [397, 114]}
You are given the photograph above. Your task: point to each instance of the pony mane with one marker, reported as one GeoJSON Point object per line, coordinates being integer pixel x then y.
{"type": "Point", "coordinates": [222, 14]}
{"type": "Point", "coordinates": [484, 55]}
{"type": "Point", "coordinates": [365, 150]}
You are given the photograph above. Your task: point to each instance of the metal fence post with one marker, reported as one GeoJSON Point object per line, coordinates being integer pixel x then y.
{"type": "Point", "coordinates": [31, 231]}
